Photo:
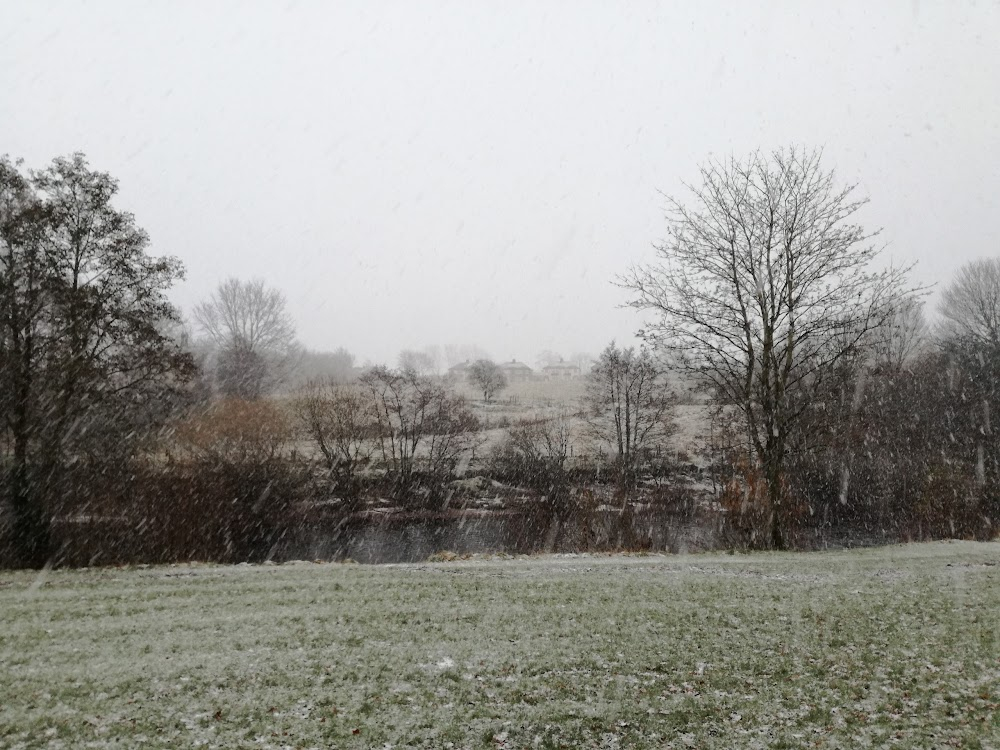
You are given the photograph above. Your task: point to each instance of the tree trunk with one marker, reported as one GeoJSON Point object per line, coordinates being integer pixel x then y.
{"type": "Point", "coordinates": [31, 528]}
{"type": "Point", "coordinates": [775, 496]}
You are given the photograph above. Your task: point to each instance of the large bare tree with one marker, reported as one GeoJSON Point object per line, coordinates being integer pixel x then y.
{"type": "Point", "coordinates": [764, 283]}
{"type": "Point", "coordinates": [970, 304]}
{"type": "Point", "coordinates": [253, 334]}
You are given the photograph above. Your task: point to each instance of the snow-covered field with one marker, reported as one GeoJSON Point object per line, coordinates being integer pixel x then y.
{"type": "Point", "coordinates": [896, 646]}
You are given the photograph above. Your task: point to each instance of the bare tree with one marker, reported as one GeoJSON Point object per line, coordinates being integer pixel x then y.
{"type": "Point", "coordinates": [970, 305]}
{"type": "Point", "coordinates": [340, 420]}
{"type": "Point", "coordinates": [253, 333]}
{"type": "Point", "coordinates": [418, 418]}
{"type": "Point", "coordinates": [628, 405]}
{"type": "Point", "coordinates": [453, 432]}
{"type": "Point", "coordinates": [247, 313]}
{"type": "Point", "coordinates": [435, 356]}
{"type": "Point", "coordinates": [970, 337]}
{"type": "Point", "coordinates": [763, 285]}
{"type": "Point", "coordinates": [243, 373]}
{"type": "Point", "coordinates": [486, 375]}
{"type": "Point", "coordinates": [905, 335]}
{"type": "Point", "coordinates": [535, 454]}
{"type": "Point", "coordinates": [420, 362]}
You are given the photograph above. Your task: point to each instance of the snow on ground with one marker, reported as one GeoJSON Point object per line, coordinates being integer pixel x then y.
{"type": "Point", "coordinates": [896, 646]}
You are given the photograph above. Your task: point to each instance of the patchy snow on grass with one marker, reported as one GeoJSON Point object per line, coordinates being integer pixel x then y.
{"type": "Point", "coordinates": [891, 647]}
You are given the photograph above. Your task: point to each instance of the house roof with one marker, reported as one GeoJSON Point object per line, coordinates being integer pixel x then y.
{"type": "Point", "coordinates": [514, 365]}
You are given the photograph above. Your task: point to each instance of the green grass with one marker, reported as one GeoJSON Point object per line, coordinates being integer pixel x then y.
{"type": "Point", "coordinates": [889, 647]}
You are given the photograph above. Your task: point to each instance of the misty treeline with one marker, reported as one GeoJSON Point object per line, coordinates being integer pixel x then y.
{"type": "Point", "coordinates": [128, 434]}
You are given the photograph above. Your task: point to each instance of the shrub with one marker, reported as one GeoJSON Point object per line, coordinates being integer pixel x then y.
{"type": "Point", "coordinates": [235, 431]}
{"type": "Point", "coordinates": [748, 510]}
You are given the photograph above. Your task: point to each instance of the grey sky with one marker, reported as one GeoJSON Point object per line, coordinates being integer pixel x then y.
{"type": "Point", "coordinates": [426, 172]}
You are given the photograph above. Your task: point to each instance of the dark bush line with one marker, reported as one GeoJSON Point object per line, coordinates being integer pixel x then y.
{"type": "Point", "coordinates": [211, 509]}
{"type": "Point", "coordinates": [172, 512]}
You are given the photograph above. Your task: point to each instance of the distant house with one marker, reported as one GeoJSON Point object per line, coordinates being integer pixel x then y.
{"type": "Point", "coordinates": [460, 371]}
{"type": "Point", "coordinates": [516, 372]}
{"type": "Point", "coordinates": [561, 371]}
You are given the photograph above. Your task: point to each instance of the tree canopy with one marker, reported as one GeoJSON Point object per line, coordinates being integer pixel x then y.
{"type": "Point", "coordinates": [253, 334]}
{"type": "Point", "coordinates": [763, 285]}
{"type": "Point", "coordinates": [87, 352]}
{"type": "Point", "coordinates": [486, 375]}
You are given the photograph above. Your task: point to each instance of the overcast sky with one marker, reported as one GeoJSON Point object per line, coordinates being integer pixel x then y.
{"type": "Point", "coordinates": [414, 173]}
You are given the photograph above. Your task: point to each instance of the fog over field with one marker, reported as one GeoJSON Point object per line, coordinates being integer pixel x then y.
{"type": "Point", "coordinates": [434, 173]}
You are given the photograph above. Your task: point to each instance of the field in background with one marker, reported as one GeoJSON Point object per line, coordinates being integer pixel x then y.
{"type": "Point", "coordinates": [550, 399]}
{"type": "Point", "coordinates": [534, 393]}
{"type": "Point", "coordinates": [527, 402]}
{"type": "Point", "coordinates": [540, 400]}
{"type": "Point", "coordinates": [896, 646]}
